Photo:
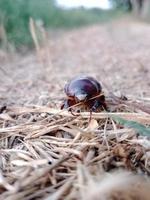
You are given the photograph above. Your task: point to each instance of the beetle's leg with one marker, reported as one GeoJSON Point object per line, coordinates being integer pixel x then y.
{"type": "Point", "coordinates": [67, 103]}
{"type": "Point", "coordinates": [95, 106]}
{"type": "Point", "coordinates": [99, 102]}
{"type": "Point", "coordinates": [71, 103]}
{"type": "Point", "coordinates": [63, 105]}
{"type": "Point", "coordinates": [102, 102]}
{"type": "Point", "coordinates": [104, 106]}
{"type": "Point", "coordinates": [90, 116]}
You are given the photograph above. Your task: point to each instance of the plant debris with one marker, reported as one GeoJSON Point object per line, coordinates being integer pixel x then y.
{"type": "Point", "coordinates": [49, 154]}
{"type": "Point", "coordinates": [42, 149]}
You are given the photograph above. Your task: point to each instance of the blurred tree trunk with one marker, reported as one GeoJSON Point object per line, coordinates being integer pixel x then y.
{"type": "Point", "coordinates": [141, 8]}
{"type": "Point", "coordinates": [136, 6]}
{"type": "Point", "coordinates": [145, 12]}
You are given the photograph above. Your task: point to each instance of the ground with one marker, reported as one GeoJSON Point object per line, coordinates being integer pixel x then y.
{"type": "Point", "coordinates": [117, 54]}
{"type": "Point", "coordinates": [47, 153]}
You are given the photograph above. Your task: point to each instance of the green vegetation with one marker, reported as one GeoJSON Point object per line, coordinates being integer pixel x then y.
{"type": "Point", "coordinates": [139, 128]}
{"type": "Point", "coordinates": [15, 15]}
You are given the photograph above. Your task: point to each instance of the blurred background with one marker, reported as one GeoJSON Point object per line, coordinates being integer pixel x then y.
{"type": "Point", "coordinates": [60, 14]}
{"type": "Point", "coordinates": [46, 42]}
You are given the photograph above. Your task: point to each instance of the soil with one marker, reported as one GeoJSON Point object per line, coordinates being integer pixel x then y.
{"type": "Point", "coordinates": [116, 53]}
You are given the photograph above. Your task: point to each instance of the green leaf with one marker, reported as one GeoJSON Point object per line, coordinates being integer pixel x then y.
{"type": "Point", "coordinates": [140, 128]}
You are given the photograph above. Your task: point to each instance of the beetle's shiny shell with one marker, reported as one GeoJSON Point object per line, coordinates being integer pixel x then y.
{"type": "Point", "coordinates": [83, 85]}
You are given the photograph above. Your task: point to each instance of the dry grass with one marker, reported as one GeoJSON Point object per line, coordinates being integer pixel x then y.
{"type": "Point", "coordinates": [47, 153]}
{"type": "Point", "coordinates": [50, 154]}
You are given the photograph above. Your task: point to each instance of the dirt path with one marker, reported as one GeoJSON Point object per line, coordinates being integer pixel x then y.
{"type": "Point", "coordinates": [118, 54]}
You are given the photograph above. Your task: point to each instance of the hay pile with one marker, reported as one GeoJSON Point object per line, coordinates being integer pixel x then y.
{"type": "Point", "coordinates": [46, 153]}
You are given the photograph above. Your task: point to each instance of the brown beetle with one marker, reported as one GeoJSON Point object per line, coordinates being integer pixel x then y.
{"type": "Point", "coordinates": [84, 90]}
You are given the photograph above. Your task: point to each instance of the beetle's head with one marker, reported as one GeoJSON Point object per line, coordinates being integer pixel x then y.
{"type": "Point", "coordinates": [80, 96]}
